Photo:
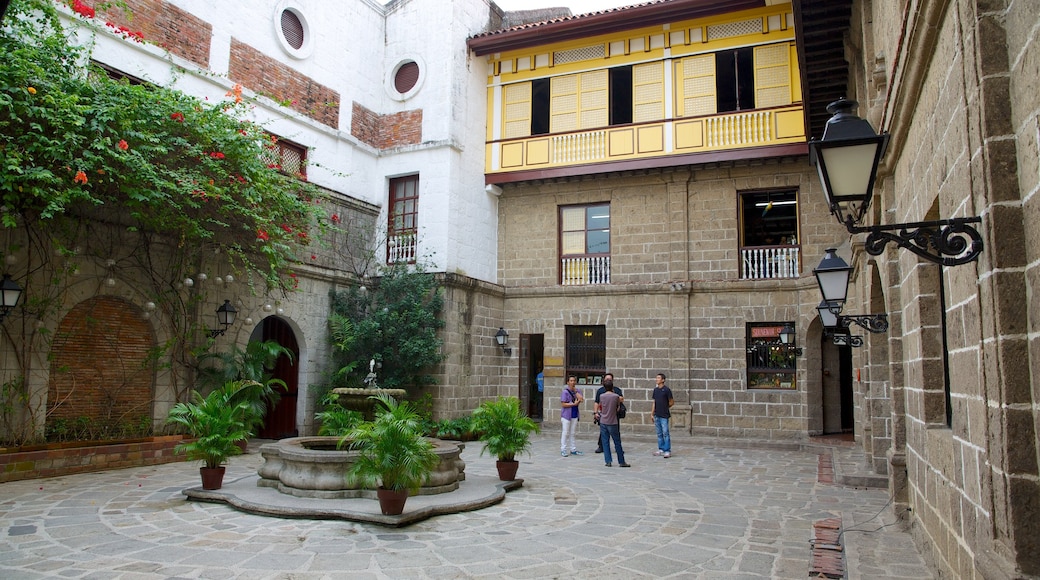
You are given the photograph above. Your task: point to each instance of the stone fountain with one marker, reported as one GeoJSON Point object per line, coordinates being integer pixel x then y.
{"type": "Point", "coordinates": [316, 466]}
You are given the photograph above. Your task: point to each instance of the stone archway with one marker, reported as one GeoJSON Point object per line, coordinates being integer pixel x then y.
{"type": "Point", "coordinates": [102, 374]}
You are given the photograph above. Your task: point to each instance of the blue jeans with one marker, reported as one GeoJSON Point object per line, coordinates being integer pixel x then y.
{"type": "Point", "coordinates": [664, 438]}
{"type": "Point", "coordinates": [606, 433]}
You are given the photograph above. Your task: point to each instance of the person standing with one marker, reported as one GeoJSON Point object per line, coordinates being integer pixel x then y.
{"type": "Point", "coordinates": [570, 400]}
{"type": "Point", "coordinates": [661, 411]}
{"type": "Point", "coordinates": [609, 426]}
{"type": "Point", "coordinates": [608, 379]}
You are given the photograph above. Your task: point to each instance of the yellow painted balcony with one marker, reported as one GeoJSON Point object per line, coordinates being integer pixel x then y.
{"type": "Point", "coordinates": [686, 136]}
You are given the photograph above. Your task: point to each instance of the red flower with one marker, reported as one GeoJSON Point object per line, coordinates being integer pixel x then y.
{"type": "Point", "coordinates": [123, 145]}
{"type": "Point", "coordinates": [335, 218]}
{"type": "Point", "coordinates": [80, 177]}
{"type": "Point", "coordinates": [179, 117]}
{"type": "Point", "coordinates": [313, 257]}
{"type": "Point", "coordinates": [216, 155]}
{"type": "Point", "coordinates": [82, 9]}
{"type": "Point", "coordinates": [262, 235]}
{"type": "Point", "coordinates": [287, 229]}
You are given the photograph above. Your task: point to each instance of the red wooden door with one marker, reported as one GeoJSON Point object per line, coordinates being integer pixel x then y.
{"type": "Point", "coordinates": [281, 421]}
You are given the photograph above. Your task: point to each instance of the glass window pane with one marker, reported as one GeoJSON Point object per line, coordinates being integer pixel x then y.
{"type": "Point", "coordinates": [599, 242]}
{"type": "Point", "coordinates": [573, 219]}
{"type": "Point", "coordinates": [599, 217]}
{"type": "Point", "coordinates": [573, 243]}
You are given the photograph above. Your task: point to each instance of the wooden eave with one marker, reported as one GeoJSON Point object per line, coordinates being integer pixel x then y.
{"type": "Point", "coordinates": [605, 22]}
{"type": "Point", "coordinates": [791, 150]}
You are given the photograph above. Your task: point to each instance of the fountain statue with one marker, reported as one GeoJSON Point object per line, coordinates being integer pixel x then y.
{"type": "Point", "coordinates": [360, 399]}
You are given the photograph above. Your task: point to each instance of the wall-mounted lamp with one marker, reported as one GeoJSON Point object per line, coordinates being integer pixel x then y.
{"type": "Point", "coordinates": [788, 339]}
{"type": "Point", "coordinates": [10, 292]}
{"type": "Point", "coordinates": [502, 339]}
{"type": "Point", "coordinates": [832, 276]}
{"type": "Point", "coordinates": [225, 317]}
{"type": "Point", "coordinates": [847, 158]}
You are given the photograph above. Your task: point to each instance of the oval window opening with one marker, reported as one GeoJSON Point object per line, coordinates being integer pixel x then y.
{"type": "Point", "coordinates": [292, 29]}
{"type": "Point", "coordinates": [406, 77]}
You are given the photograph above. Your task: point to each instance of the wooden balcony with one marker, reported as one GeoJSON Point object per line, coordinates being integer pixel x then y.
{"type": "Point", "coordinates": [731, 131]}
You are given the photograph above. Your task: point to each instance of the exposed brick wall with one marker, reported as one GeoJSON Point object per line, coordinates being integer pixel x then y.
{"type": "Point", "coordinates": [386, 131]}
{"type": "Point", "coordinates": [168, 26]}
{"type": "Point", "coordinates": [100, 365]}
{"type": "Point", "coordinates": [52, 461]}
{"type": "Point", "coordinates": [265, 75]}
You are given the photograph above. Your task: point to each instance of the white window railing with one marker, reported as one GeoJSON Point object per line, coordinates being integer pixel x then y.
{"type": "Point", "coordinates": [401, 248]}
{"type": "Point", "coordinates": [750, 128]}
{"type": "Point", "coordinates": [770, 262]}
{"type": "Point", "coordinates": [585, 271]}
{"type": "Point", "coordinates": [576, 147]}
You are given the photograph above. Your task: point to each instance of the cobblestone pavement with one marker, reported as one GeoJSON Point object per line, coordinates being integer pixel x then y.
{"type": "Point", "coordinates": [710, 511]}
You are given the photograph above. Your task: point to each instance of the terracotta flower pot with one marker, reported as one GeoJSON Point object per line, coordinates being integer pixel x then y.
{"type": "Point", "coordinates": [391, 501]}
{"type": "Point", "coordinates": [212, 477]}
{"type": "Point", "coordinates": [507, 469]}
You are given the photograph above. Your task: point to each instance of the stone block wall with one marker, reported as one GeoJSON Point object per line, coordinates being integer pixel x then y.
{"type": "Point", "coordinates": [675, 303]}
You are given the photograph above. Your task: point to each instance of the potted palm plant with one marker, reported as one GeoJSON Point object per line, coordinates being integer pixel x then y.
{"type": "Point", "coordinates": [216, 423]}
{"type": "Point", "coordinates": [393, 455]}
{"type": "Point", "coordinates": [505, 431]}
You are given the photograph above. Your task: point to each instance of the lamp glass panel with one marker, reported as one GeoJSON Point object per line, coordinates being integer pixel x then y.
{"type": "Point", "coordinates": [827, 318]}
{"type": "Point", "coordinates": [849, 169]}
{"type": "Point", "coordinates": [834, 285]}
{"type": "Point", "coordinates": [10, 297]}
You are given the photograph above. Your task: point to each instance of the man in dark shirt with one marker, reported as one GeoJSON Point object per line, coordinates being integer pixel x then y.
{"type": "Point", "coordinates": [607, 378]}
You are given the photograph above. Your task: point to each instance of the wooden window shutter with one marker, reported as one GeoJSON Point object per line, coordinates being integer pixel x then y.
{"type": "Point", "coordinates": [695, 84]}
{"type": "Point", "coordinates": [772, 75]}
{"type": "Point", "coordinates": [595, 102]}
{"type": "Point", "coordinates": [648, 92]}
{"type": "Point", "coordinates": [563, 104]}
{"type": "Point", "coordinates": [516, 110]}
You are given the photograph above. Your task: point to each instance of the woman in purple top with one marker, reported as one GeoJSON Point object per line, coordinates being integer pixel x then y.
{"type": "Point", "coordinates": [570, 400]}
{"type": "Point", "coordinates": [609, 427]}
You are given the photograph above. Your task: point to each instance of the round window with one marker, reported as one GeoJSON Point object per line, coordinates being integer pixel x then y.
{"type": "Point", "coordinates": [407, 76]}
{"type": "Point", "coordinates": [292, 29]}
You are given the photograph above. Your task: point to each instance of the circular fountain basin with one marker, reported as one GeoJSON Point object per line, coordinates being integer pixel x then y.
{"type": "Point", "coordinates": [314, 467]}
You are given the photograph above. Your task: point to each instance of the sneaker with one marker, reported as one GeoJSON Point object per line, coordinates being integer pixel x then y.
{"type": "Point", "coordinates": [624, 465]}
{"type": "Point", "coordinates": [600, 450]}
{"type": "Point", "coordinates": [667, 454]}
{"type": "Point", "coordinates": [564, 453]}
{"type": "Point", "coordinates": [609, 465]}
{"type": "Point", "coordinates": [577, 453]}
{"type": "Point", "coordinates": [658, 453]}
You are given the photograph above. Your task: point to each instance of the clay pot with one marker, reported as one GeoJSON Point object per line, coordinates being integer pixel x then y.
{"type": "Point", "coordinates": [212, 477]}
{"type": "Point", "coordinates": [507, 469]}
{"type": "Point", "coordinates": [391, 501]}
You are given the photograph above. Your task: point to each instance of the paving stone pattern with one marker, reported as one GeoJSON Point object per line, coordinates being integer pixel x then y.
{"type": "Point", "coordinates": [710, 511]}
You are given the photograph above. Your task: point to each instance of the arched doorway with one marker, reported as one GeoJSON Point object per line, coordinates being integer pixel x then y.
{"type": "Point", "coordinates": [281, 420]}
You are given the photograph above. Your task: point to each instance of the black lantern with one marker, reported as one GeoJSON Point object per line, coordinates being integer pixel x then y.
{"type": "Point", "coordinates": [832, 275]}
{"type": "Point", "coordinates": [502, 339]}
{"type": "Point", "coordinates": [847, 158]}
{"type": "Point", "coordinates": [10, 292]}
{"type": "Point", "coordinates": [226, 314]}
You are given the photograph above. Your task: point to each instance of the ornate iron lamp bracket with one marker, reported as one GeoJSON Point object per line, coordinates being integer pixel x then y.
{"type": "Point", "coordinates": [876, 323]}
{"type": "Point", "coordinates": [844, 339]}
{"type": "Point", "coordinates": [949, 242]}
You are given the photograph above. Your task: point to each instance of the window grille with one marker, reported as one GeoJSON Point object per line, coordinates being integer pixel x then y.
{"type": "Point", "coordinates": [292, 29]}
{"type": "Point", "coordinates": [406, 77]}
{"type": "Point", "coordinates": [579, 54]}
{"type": "Point", "coordinates": [586, 349]}
{"type": "Point", "coordinates": [288, 157]}
{"type": "Point", "coordinates": [731, 29]}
